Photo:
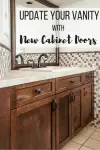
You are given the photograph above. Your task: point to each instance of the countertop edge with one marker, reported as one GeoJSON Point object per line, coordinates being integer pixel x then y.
{"type": "Point", "coordinates": [4, 83]}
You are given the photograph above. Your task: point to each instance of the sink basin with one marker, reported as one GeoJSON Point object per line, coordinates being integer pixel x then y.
{"type": "Point", "coordinates": [50, 69]}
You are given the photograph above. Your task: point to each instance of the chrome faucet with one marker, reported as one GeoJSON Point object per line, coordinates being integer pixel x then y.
{"type": "Point", "coordinates": [39, 59]}
{"type": "Point", "coordinates": [22, 59]}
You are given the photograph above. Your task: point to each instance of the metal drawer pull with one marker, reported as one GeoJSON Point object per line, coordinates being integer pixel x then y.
{"type": "Point", "coordinates": [54, 104]}
{"type": "Point", "coordinates": [73, 97]}
{"type": "Point", "coordinates": [70, 97]}
{"type": "Point", "coordinates": [85, 92]}
{"type": "Point", "coordinates": [38, 91]}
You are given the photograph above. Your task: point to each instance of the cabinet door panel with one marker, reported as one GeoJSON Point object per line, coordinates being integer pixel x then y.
{"type": "Point", "coordinates": [76, 110]}
{"type": "Point", "coordinates": [32, 129]}
{"type": "Point", "coordinates": [63, 119]}
{"type": "Point", "coordinates": [88, 103]}
{"type": "Point", "coordinates": [63, 116]}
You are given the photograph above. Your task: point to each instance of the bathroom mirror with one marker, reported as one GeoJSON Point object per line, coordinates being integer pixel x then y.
{"type": "Point", "coordinates": [23, 56]}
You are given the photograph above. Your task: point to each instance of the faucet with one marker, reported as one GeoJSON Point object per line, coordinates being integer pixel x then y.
{"type": "Point", "coordinates": [39, 59]}
{"type": "Point", "coordinates": [22, 59]}
{"type": "Point", "coordinates": [32, 62]}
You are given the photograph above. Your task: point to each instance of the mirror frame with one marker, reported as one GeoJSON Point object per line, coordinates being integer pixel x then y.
{"type": "Point", "coordinates": [13, 34]}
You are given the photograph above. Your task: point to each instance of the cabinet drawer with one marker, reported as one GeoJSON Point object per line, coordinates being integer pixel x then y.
{"type": "Point", "coordinates": [34, 91]}
{"type": "Point", "coordinates": [65, 83]}
{"type": "Point", "coordinates": [88, 77]}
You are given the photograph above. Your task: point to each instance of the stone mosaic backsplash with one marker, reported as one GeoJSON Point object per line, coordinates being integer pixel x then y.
{"type": "Point", "coordinates": [5, 61]}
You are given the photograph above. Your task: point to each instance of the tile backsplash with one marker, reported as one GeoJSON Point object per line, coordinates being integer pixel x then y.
{"type": "Point", "coordinates": [86, 60]}
{"type": "Point", "coordinates": [5, 61]}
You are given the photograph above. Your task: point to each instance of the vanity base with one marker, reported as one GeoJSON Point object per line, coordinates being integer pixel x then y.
{"type": "Point", "coordinates": [46, 114]}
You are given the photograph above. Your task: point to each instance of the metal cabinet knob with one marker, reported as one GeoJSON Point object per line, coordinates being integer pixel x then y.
{"type": "Point", "coordinates": [73, 96]}
{"type": "Point", "coordinates": [38, 91]}
{"type": "Point", "coordinates": [71, 82]}
{"type": "Point", "coordinates": [70, 97]}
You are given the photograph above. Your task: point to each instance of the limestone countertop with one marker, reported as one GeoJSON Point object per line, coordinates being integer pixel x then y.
{"type": "Point", "coordinates": [17, 77]}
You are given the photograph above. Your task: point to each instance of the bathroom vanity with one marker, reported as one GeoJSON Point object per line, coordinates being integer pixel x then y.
{"type": "Point", "coordinates": [47, 113]}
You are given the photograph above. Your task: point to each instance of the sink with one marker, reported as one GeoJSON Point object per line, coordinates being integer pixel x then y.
{"type": "Point", "coordinates": [50, 69]}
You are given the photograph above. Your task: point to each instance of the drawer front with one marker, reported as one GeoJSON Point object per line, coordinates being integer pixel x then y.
{"type": "Point", "coordinates": [64, 83]}
{"type": "Point", "coordinates": [33, 92]}
{"type": "Point", "coordinates": [88, 77]}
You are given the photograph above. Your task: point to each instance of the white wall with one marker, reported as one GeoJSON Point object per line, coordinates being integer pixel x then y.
{"type": "Point", "coordinates": [81, 4]}
{"type": "Point", "coordinates": [5, 55]}
{"type": "Point", "coordinates": [5, 39]}
{"type": "Point", "coordinates": [84, 4]}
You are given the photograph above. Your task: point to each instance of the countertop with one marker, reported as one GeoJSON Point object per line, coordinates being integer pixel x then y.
{"type": "Point", "coordinates": [17, 77]}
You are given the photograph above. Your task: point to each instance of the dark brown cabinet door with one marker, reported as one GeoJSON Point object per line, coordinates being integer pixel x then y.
{"type": "Point", "coordinates": [63, 119]}
{"type": "Point", "coordinates": [76, 110]}
{"type": "Point", "coordinates": [88, 103]}
{"type": "Point", "coordinates": [32, 126]}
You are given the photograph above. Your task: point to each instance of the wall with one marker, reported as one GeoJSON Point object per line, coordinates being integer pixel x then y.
{"type": "Point", "coordinates": [85, 59]}
{"type": "Point", "coordinates": [5, 61]}
{"type": "Point", "coordinates": [5, 54]}
{"type": "Point", "coordinates": [5, 22]}
{"type": "Point", "coordinates": [80, 27]}
{"type": "Point", "coordinates": [84, 4]}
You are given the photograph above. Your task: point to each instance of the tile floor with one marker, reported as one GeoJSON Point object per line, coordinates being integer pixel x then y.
{"type": "Point", "coordinates": [87, 139]}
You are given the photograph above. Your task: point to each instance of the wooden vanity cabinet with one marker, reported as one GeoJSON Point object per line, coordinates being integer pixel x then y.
{"type": "Point", "coordinates": [45, 114]}
{"type": "Point", "coordinates": [32, 125]}
{"type": "Point", "coordinates": [75, 107]}
{"type": "Point", "coordinates": [68, 115]}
